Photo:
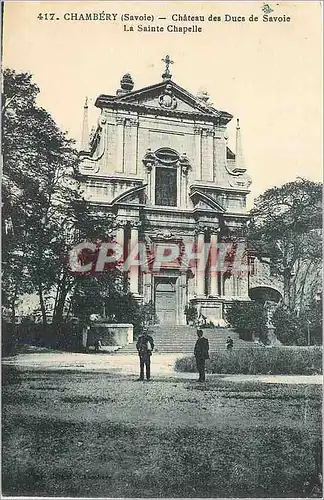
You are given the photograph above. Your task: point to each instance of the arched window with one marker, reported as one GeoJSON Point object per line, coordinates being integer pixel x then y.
{"type": "Point", "coordinates": [166, 177]}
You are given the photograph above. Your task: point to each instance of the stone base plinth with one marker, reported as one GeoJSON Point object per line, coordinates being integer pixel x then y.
{"type": "Point", "coordinates": [110, 334]}
{"type": "Point", "coordinates": [212, 308]}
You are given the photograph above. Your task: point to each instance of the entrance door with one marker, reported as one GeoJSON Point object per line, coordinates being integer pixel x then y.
{"type": "Point", "coordinates": [165, 302]}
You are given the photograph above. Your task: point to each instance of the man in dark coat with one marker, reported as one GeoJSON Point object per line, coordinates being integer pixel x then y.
{"type": "Point", "coordinates": [145, 346]}
{"type": "Point", "coordinates": [201, 353]}
{"type": "Point", "coordinates": [229, 343]}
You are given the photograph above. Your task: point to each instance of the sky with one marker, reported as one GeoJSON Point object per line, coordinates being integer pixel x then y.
{"type": "Point", "coordinates": [269, 74]}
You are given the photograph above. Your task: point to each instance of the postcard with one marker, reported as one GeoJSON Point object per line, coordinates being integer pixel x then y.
{"type": "Point", "coordinates": [162, 249]}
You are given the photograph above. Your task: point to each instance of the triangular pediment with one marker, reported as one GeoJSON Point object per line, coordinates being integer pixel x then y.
{"type": "Point", "coordinates": [166, 95]}
{"type": "Point", "coordinates": [132, 196]}
{"type": "Point", "coordinates": [203, 202]}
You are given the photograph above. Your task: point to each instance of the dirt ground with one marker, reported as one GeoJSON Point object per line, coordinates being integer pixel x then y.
{"type": "Point", "coordinates": [102, 434]}
{"type": "Point", "coordinates": [127, 364]}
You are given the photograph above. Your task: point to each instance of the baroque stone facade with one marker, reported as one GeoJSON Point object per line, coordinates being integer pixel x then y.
{"type": "Point", "coordinates": [160, 163]}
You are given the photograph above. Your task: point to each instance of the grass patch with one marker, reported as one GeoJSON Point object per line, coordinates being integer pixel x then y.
{"type": "Point", "coordinates": [270, 391]}
{"type": "Point", "coordinates": [257, 361]}
{"type": "Point", "coordinates": [85, 399]}
{"type": "Point", "coordinates": [190, 447]}
{"type": "Point", "coordinates": [66, 459]}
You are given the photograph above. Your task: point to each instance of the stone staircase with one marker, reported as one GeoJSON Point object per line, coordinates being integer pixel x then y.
{"type": "Point", "coordinates": [181, 339]}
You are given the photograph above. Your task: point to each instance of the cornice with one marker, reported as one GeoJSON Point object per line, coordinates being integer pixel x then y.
{"type": "Point", "coordinates": [220, 120]}
{"type": "Point", "coordinates": [215, 187]}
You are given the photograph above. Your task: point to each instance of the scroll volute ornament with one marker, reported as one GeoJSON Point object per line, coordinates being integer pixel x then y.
{"type": "Point", "coordinates": [184, 163]}
{"type": "Point", "coordinates": [149, 159]}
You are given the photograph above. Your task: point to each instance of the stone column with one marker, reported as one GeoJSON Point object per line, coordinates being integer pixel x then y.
{"type": "Point", "coordinates": [147, 292]}
{"type": "Point", "coordinates": [182, 298]}
{"type": "Point", "coordinates": [229, 287]}
{"type": "Point", "coordinates": [149, 162]}
{"type": "Point", "coordinates": [134, 271]}
{"type": "Point", "coordinates": [200, 272]}
{"type": "Point", "coordinates": [120, 232]}
{"type": "Point", "coordinates": [213, 265]}
{"type": "Point", "coordinates": [120, 236]}
{"type": "Point", "coordinates": [184, 169]}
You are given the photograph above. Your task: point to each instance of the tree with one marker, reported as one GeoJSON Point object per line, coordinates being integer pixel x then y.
{"type": "Point", "coordinates": [18, 95]}
{"type": "Point", "coordinates": [45, 215]}
{"type": "Point", "coordinates": [293, 328]}
{"type": "Point", "coordinates": [248, 319]}
{"type": "Point", "coordinates": [286, 226]}
{"type": "Point", "coordinates": [41, 194]}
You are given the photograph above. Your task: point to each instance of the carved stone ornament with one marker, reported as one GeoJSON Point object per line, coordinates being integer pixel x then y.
{"type": "Point", "coordinates": [184, 163]}
{"type": "Point", "coordinates": [120, 223]}
{"type": "Point", "coordinates": [135, 224]}
{"type": "Point", "coordinates": [243, 181]}
{"type": "Point", "coordinates": [200, 228]}
{"type": "Point", "coordinates": [149, 160]}
{"type": "Point", "coordinates": [167, 99]}
{"type": "Point", "coordinates": [166, 235]}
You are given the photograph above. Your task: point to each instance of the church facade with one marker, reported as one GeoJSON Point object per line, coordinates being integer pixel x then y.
{"type": "Point", "coordinates": [160, 165]}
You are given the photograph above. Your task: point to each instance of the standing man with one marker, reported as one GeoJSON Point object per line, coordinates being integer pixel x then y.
{"type": "Point", "coordinates": [201, 353]}
{"type": "Point", "coordinates": [229, 343]}
{"type": "Point", "coordinates": [98, 345]}
{"type": "Point", "coordinates": [145, 346]}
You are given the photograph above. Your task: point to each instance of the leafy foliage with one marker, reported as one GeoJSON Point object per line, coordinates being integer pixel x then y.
{"type": "Point", "coordinates": [261, 360]}
{"type": "Point", "coordinates": [41, 194]}
{"type": "Point", "coordinates": [45, 214]}
{"type": "Point", "coordinates": [248, 318]}
{"type": "Point", "coordinates": [293, 329]}
{"type": "Point", "coordinates": [286, 226]}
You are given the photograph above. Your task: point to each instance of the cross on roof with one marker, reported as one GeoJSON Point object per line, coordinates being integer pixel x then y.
{"type": "Point", "coordinates": [167, 75]}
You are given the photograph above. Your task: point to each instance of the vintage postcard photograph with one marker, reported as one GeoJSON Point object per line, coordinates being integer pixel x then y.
{"type": "Point", "coordinates": [162, 249]}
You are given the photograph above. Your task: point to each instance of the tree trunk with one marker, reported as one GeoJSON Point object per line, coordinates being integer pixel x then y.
{"type": "Point", "coordinates": [287, 282]}
{"type": "Point", "coordinates": [59, 302]}
{"type": "Point", "coordinates": [13, 306]}
{"type": "Point", "coordinates": [63, 290]}
{"type": "Point", "coordinates": [58, 318]}
{"type": "Point", "coordinates": [13, 312]}
{"type": "Point", "coordinates": [42, 305]}
{"type": "Point", "coordinates": [302, 289]}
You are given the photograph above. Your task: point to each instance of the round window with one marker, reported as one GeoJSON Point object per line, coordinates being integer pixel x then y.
{"type": "Point", "coordinates": [167, 156]}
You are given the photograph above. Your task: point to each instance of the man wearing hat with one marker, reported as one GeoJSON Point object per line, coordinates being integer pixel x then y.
{"type": "Point", "coordinates": [145, 346]}
{"type": "Point", "coordinates": [201, 353]}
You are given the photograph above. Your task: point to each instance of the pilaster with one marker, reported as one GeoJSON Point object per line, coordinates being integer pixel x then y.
{"type": "Point", "coordinates": [200, 268]}
{"type": "Point", "coordinates": [198, 152]}
{"type": "Point", "coordinates": [120, 146]}
{"type": "Point", "coordinates": [207, 154]}
{"type": "Point", "coordinates": [134, 269]}
{"type": "Point", "coordinates": [130, 146]}
{"type": "Point", "coordinates": [213, 265]}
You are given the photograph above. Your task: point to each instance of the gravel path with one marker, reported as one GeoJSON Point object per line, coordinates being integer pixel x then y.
{"type": "Point", "coordinates": [127, 364]}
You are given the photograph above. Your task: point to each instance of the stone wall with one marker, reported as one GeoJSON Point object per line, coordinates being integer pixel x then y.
{"type": "Point", "coordinates": [110, 334]}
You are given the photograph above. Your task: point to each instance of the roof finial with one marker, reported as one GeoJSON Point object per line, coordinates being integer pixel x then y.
{"type": "Point", "coordinates": [167, 75]}
{"type": "Point", "coordinates": [126, 84]}
{"type": "Point", "coordinates": [85, 128]}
